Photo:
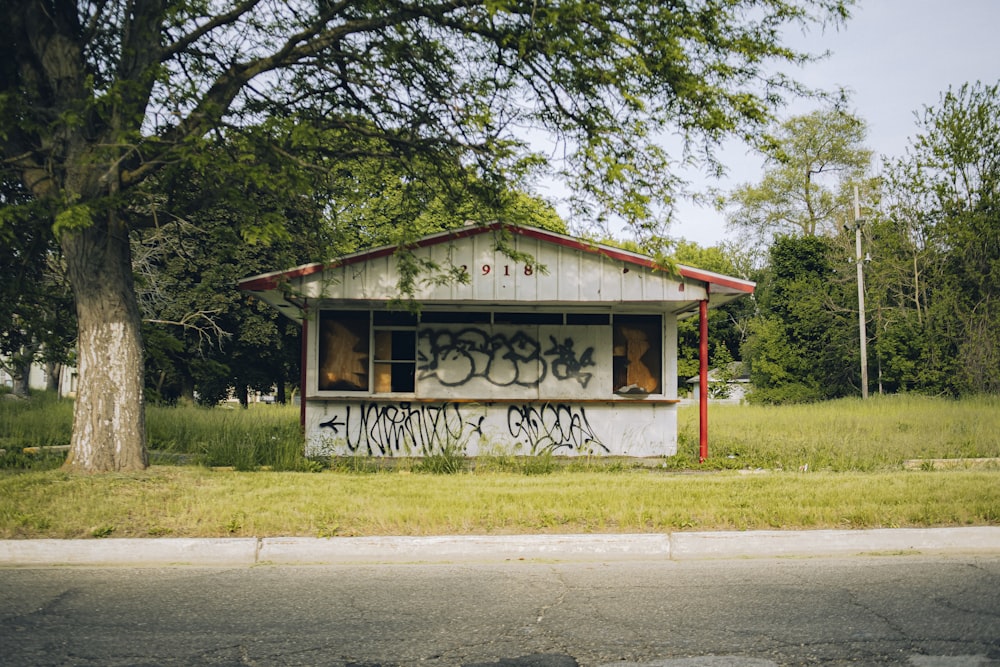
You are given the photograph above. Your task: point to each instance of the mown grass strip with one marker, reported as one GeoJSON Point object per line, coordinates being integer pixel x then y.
{"type": "Point", "coordinates": [199, 502]}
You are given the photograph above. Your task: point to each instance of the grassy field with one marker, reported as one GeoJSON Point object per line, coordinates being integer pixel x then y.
{"type": "Point", "coordinates": [831, 465]}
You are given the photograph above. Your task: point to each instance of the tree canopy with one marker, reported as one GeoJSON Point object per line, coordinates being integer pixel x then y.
{"type": "Point", "coordinates": [936, 242]}
{"type": "Point", "coordinates": [811, 162]}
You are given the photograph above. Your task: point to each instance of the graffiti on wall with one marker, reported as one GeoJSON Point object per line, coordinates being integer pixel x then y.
{"type": "Point", "coordinates": [566, 366]}
{"type": "Point", "coordinates": [549, 427]}
{"type": "Point", "coordinates": [455, 358]}
{"type": "Point", "coordinates": [392, 429]}
{"type": "Point", "coordinates": [405, 429]}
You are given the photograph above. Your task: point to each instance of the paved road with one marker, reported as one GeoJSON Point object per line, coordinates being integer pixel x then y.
{"type": "Point", "coordinates": [917, 610]}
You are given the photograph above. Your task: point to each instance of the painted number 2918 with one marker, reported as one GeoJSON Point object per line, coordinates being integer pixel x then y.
{"type": "Point", "coordinates": [487, 269]}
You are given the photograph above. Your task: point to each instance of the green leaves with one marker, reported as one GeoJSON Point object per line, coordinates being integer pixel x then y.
{"type": "Point", "coordinates": [937, 240]}
{"type": "Point", "coordinates": [812, 161]}
{"type": "Point", "coordinates": [77, 216]}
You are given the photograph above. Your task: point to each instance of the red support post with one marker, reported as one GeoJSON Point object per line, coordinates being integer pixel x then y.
{"type": "Point", "coordinates": [703, 381]}
{"type": "Point", "coordinates": [303, 358]}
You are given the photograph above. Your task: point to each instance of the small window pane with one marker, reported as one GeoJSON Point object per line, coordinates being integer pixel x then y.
{"type": "Point", "coordinates": [394, 318]}
{"type": "Point", "coordinates": [455, 317]}
{"type": "Point", "coordinates": [404, 345]}
{"type": "Point", "coordinates": [403, 377]}
{"type": "Point", "coordinates": [527, 318]}
{"type": "Point", "coordinates": [637, 354]}
{"type": "Point", "coordinates": [343, 351]}
{"type": "Point", "coordinates": [587, 318]}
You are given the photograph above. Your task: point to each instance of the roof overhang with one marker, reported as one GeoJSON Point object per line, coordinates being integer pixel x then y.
{"type": "Point", "coordinates": [278, 288]}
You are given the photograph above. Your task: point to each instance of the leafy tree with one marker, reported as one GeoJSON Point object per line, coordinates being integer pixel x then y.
{"type": "Point", "coordinates": [802, 347]}
{"type": "Point", "coordinates": [938, 244]}
{"type": "Point", "coordinates": [810, 162]}
{"type": "Point", "coordinates": [203, 336]}
{"type": "Point", "coordinates": [36, 309]}
{"type": "Point", "coordinates": [96, 98]}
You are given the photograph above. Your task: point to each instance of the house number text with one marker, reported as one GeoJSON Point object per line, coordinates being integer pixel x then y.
{"type": "Point", "coordinates": [508, 270]}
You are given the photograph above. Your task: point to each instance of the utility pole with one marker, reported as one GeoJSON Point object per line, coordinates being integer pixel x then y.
{"type": "Point", "coordinates": [859, 259]}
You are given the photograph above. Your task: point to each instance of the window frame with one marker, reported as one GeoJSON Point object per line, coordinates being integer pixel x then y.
{"type": "Point", "coordinates": [571, 317]}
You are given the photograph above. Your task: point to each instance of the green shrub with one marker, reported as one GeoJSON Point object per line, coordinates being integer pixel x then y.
{"type": "Point", "coordinates": [785, 394]}
{"type": "Point", "coordinates": [448, 460]}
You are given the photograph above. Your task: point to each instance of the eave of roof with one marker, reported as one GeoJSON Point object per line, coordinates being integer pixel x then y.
{"type": "Point", "coordinates": [272, 280]}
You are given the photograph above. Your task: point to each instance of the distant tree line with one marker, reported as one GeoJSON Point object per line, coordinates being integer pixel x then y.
{"type": "Point", "coordinates": [931, 257]}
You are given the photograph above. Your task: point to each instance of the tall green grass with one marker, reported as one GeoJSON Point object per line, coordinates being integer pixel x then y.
{"type": "Point", "coordinates": [844, 435]}
{"type": "Point", "coordinates": [41, 421]}
{"type": "Point", "coordinates": [851, 450]}
{"type": "Point", "coordinates": [261, 436]}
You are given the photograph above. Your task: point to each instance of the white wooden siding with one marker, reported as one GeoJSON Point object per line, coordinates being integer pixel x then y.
{"type": "Point", "coordinates": [571, 276]}
{"type": "Point", "coordinates": [400, 429]}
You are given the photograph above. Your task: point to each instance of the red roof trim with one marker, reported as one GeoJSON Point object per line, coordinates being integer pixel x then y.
{"type": "Point", "coordinates": [717, 279]}
{"type": "Point", "coordinates": [272, 280]}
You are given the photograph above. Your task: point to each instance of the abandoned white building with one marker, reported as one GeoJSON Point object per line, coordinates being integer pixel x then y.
{"type": "Point", "coordinates": [574, 352]}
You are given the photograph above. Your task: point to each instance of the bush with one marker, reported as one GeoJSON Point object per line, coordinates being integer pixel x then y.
{"type": "Point", "coordinates": [784, 395]}
{"type": "Point", "coordinates": [449, 460]}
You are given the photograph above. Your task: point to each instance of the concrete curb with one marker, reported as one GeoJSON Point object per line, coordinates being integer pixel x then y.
{"type": "Point", "coordinates": [481, 548]}
{"type": "Point", "coordinates": [244, 552]}
{"type": "Point", "coordinates": [130, 551]}
{"type": "Point", "coordinates": [777, 543]}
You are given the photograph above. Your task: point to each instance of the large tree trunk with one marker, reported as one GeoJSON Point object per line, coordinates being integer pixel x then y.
{"type": "Point", "coordinates": [53, 371]}
{"type": "Point", "coordinates": [281, 396]}
{"type": "Point", "coordinates": [109, 417]}
{"type": "Point", "coordinates": [20, 375]}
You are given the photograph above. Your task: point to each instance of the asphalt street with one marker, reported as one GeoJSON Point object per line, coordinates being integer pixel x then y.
{"type": "Point", "coordinates": [916, 610]}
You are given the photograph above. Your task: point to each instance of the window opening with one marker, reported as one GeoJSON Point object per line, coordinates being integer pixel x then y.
{"type": "Point", "coordinates": [637, 354]}
{"type": "Point", "coordinates": [527, 318]}
{"type": "Point", "coordinates": [395, 360]}
{"type": "Point", "coordinates": [455, 317]}
{"type": "Point", "coordinates": [343, 350]}
{"type": "Point", "coordinates": [588, 318]}
{"type": "Point", "coordinates": [394, 318]}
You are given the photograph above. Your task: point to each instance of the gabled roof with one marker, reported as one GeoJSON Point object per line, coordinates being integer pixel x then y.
{"type": "Point", "coordinates": [289, 289]}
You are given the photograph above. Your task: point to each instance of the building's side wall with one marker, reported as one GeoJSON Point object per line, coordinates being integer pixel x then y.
{"type": "Point", "coordinates": [408, 428]}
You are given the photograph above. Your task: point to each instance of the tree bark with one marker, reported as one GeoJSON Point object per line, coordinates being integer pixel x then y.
{"type": "Point", "coordinates": [281, 397]}
{"type": "Point", "coordinates": [109, 415]}
{"type": "Point", "coordinates": [53, 371]}
{"type": "Point", "coordinates": [21, 375]}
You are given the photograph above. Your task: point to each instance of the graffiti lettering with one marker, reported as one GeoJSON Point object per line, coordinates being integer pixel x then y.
{"type": "Point", "coordinates": [389, 430]}
{"type": "Point", "coordinates": [550, 426]}
{"type": "Point", "coordinates": [455, 358]}
{"type": "Point", "coordinates": [566, 365]}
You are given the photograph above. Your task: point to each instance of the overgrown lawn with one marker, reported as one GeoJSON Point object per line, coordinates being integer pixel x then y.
{"type": "Point", "coordinates": [217, 473]}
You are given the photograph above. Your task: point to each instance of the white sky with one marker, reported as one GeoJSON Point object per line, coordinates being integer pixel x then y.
{"type": "Point", "coordinates": [896, 56]}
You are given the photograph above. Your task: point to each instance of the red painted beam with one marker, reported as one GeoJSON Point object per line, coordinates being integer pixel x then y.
{"type": "Point", "coordinates": [304, 356]}
{"type": "Point", "coordinates": [703, 381]}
